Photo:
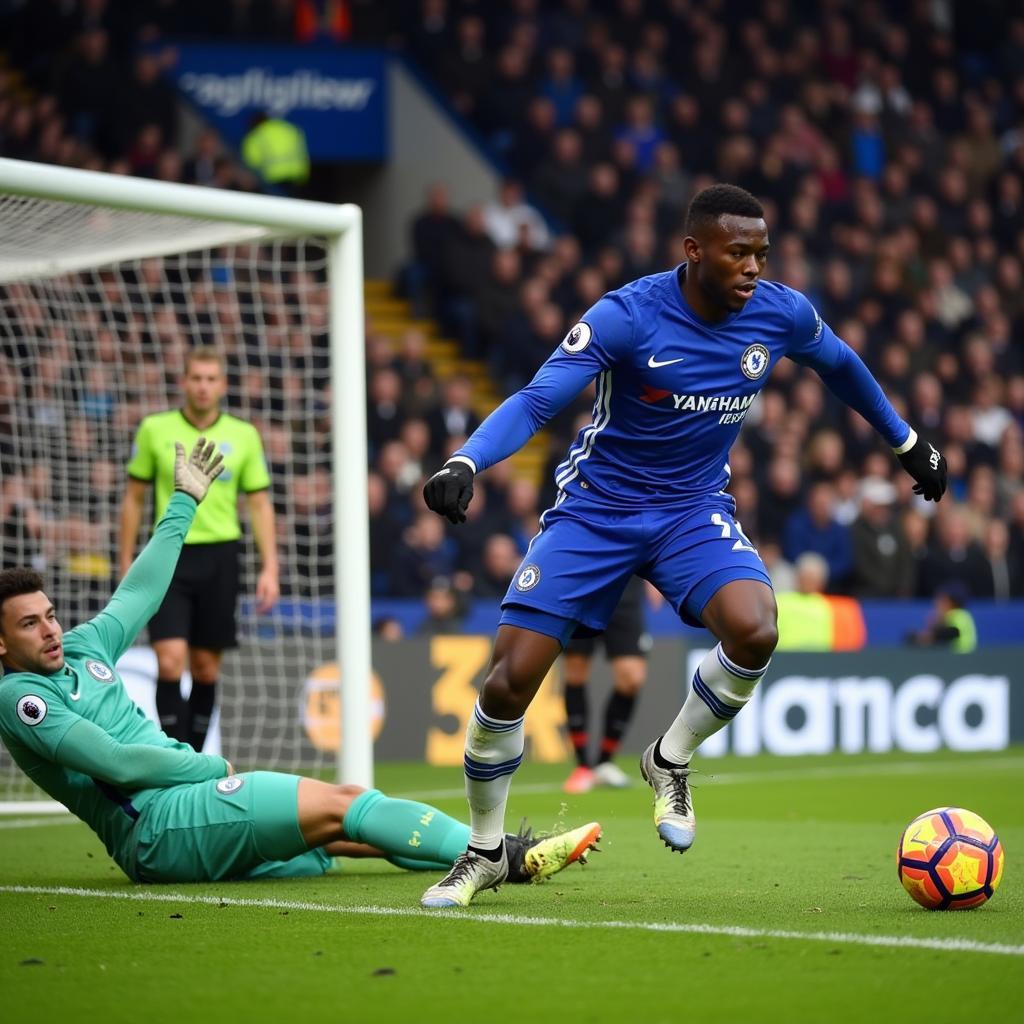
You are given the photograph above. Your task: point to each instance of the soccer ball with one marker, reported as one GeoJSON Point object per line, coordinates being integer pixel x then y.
{"type": "Point", "coordinates": [949, 859]}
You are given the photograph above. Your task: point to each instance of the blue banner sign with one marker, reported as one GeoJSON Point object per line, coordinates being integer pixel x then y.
{"type": "Point", "coordinates": [337, 97]}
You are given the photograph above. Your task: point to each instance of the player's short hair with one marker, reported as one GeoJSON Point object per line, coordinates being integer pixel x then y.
{"type": "Point", "coordinates": [204, 354]}
{"type": "Point", "coordinates": [18, 581]}
{"type": "Point", "coordinates": [718, 201]}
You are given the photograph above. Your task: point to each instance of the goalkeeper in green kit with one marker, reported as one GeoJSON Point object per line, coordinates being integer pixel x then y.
{"type": "Point", "coordinates": [164, 812]}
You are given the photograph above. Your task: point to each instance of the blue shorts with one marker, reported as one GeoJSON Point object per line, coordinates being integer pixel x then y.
{"type": "Point", "coordinates": [577, 567]}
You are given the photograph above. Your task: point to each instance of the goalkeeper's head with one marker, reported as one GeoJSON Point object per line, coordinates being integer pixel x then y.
{"type": "Point", "coordinates": [31, 638]}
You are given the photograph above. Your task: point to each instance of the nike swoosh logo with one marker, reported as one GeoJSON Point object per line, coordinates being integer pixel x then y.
{"type": "Point", "coordinates": [654, 364]}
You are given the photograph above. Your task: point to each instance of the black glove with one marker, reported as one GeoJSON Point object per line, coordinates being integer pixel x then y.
{"type": "Point", "coordinates": [925, 463]}
{"type": "Point", "coordinates": [449, 491]}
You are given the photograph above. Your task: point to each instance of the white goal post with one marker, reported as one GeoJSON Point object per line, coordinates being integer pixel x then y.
{"type": "Point", "coordinates": [59, 224]}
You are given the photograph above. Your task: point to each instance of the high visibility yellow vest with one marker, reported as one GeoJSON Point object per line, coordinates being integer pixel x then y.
{"type": "Point", "coordinates": [805, 622]}
{"type": "Point", "coordinates": [276, 150]}
{"type": "Point", "coordinates": [962, 620]}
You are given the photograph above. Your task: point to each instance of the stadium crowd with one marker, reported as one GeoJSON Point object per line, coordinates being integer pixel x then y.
{"type": "Point", "coordinates": [886, 140]}
{"type": "Point", "coordinates": [887, 143]}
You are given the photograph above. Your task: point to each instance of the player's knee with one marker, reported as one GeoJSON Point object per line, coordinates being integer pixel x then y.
{"type": "Point", "coordinates": [345, 795]}
{"type": "Point", "coordinates": [505, 696]}
{"type": "Point", "coordinates": [170, 666]}
{"type": "Point", "coordinates": [205, 666]}
{"type": "Point", "coordinates": [752, 636]}
{"type": "Point", "coordinates": [500, 700]}
{"type": "Point", "coordinates": [628, 678]}
{"type": "Point", "coordinates": [759, 641]}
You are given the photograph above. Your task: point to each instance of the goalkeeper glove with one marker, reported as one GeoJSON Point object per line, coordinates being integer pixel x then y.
{"type": "Point", "coordinates": [194, 475]}
{"type": "Point", "coordinates": [449, 491]}
{"type": "Point", "coordinates": [925, 463]}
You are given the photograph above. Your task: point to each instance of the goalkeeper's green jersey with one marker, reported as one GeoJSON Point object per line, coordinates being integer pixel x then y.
{"type": "Point", "coordinates": [245, 469]}
{"type": "Point", "coordinates": [78, 735]}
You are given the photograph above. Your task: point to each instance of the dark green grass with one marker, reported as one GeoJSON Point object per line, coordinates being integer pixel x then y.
{"type": "Point", "coordinates": [796, 845]}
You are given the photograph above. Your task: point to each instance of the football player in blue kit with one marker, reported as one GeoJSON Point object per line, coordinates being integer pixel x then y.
{"type": "Point", "coordinates": [679, 358]}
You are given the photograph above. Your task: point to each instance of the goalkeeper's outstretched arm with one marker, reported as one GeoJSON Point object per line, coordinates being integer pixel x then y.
{"type": "Point", "coordinates": [137, 598]}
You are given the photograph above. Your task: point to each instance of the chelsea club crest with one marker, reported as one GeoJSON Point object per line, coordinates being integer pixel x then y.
{"type": "Point", "coordinates": [528, 578]}
{"type": "Point", "coordinates": [754, 361]}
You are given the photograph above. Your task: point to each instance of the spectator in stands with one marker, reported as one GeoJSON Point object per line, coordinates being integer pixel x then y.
{"type": "Point", "coordinates": [453, 417]}
{"type": "Point", "coordinates": [446, 607]}
{"type": "Point", "coordinates": [147, 99]}
{"type": "Point", "coordinates": [954, 557]}
{"type": "Point", "coordinates": [495, 303]}
{"type": "Point", "coordinates": [814, 528]}
{"type": "Point", "coordinates": [87, 85]}
{"type": "Point", "coordinates": [781, 498]}
{"type": "Point", "coordinates": [419, 386]}
{"type": "Point", "coordinates": [641, 131]}
{"type": "Point", "coordinates": [1005, 584]}
{"type": "Point", "coordinates": [201, 167]}
{"type": "Point", "coordinates": [464, 70]}
{"type": "Point", "coordinates": [560, 179]}
{"type": "Point", "coordinates": [805, 619]}
{"type": "Point", "coordinates": [882, 562]}
{"type": "Point", "coordinates": [22, 538]}
{"type": "Point", "coordinates": [599, 211]}
{"type": "Point", "coordinates": [433, 232]}
{"type": "Point", "coordinates": [423, 554]}
{"type": "Point", "coordinates": [510, 218]}
{"type": "Point", "coordinates": [464, 267]}
{"type": "Point", "coordinates": [383, 411]}
{"type": "Point", "coordinates": [500, 560]}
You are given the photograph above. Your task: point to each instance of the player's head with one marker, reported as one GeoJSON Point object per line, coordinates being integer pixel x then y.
{"type": "Point", "coordinates": [30, 635]}
{"type": "Point", "coordinates": [726, 244]}
{"type": "Point", "coordinates": [204, 381]}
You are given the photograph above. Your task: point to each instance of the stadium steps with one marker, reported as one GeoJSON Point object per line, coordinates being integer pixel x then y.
{"type": "Point", "coordinates": [391, 317]}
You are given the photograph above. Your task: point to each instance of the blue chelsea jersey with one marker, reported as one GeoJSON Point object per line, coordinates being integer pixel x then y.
{"type": "Point", "coordinates": [672, 390]}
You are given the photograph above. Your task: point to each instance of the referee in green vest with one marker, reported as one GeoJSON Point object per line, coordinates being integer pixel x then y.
{"type": "Point", "coordinates": [197, 617]}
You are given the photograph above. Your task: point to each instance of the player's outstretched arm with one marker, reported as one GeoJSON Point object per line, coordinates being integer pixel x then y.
{"type": "Point", "coordinates": [562, 377]}
{"type": "Point", "coordinates": [845, 375]}
{"type": "Point", "coordinates": [146, 582]}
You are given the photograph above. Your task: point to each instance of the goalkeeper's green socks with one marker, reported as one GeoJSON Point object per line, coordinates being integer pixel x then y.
{"type": "Point", "coordinates": [413, 835]}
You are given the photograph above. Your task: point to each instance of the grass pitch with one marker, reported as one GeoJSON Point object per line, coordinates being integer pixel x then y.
{"type": "Point", "coordinates": [787, 909]}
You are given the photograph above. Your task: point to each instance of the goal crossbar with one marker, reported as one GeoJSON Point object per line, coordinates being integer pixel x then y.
{"type": "Point", "coordinates": [219, 218]}
{"type": "Point", "coordinates": [289, 216]}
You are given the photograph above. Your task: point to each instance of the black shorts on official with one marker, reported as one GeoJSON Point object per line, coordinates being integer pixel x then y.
{"type": "Point", "coordinates": [626, 634]}
{"type": "Point", "coordinates": [200, 602]}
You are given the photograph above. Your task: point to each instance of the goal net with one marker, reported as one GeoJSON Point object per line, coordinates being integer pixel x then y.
{"type": "Point", "coordinates": [105, 285]}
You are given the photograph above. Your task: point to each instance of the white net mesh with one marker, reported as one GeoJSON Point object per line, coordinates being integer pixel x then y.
{"type": "Point", "coordinates": [86, 353]}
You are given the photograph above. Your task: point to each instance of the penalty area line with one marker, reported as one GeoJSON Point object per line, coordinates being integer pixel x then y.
{"type": "Point", "coordinates": [733, 931]}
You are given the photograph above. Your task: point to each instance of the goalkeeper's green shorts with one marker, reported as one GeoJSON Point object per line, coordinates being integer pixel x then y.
{"type": "Point", "coordinates": [244, 826]}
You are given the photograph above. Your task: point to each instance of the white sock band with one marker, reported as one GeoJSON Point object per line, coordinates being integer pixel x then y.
{"type": "Point", "coordinates": [494, 750]}
{"type": "Point", "coordinates": [718, 691]}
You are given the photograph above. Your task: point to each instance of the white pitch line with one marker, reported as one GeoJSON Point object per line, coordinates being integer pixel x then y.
{"type": "Point", "coordinates": [37, 822]}
{"type": "Point", "coordinates": [708, 776]}
{"type": "Point", "coordinates": [735, 931]}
